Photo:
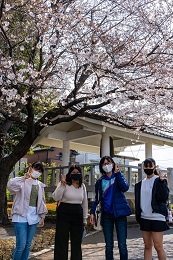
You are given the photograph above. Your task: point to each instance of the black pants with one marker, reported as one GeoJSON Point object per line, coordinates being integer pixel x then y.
{"type": "Point", "coordinates": [69, 224]}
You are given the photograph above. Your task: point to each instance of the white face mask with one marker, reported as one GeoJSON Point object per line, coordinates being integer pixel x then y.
{"type": "Point", "coordinates": [107, 168]}
{"type": "Point", "coordinates": [35, 174]}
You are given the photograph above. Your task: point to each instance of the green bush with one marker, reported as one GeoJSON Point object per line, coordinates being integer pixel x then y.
{"type": "Point", "coordinates": [42, 241]}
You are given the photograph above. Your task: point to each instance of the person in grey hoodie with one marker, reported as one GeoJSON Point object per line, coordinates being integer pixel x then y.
{"type": "Point", "coordinates": [29, 208]}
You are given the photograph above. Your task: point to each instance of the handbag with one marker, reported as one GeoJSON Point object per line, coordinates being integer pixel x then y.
{"type": "Point", "coordinates": [84, 233]}
{"type": "Point", "coordinates": [97, 225]}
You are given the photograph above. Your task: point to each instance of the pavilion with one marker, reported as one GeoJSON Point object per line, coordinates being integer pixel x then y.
{"type": "Point", "coordinates": [105, 137]}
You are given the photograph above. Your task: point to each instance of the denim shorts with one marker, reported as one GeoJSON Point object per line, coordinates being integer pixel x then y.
{"type": "Point", "coordinates": [153, 225]}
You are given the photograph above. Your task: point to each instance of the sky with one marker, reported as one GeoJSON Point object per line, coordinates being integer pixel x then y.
{"type": "Point", "coordinates": [163, 155]}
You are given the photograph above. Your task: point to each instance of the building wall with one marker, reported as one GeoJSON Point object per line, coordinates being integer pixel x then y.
{"type": "Point", "coordinates": [51, 155]}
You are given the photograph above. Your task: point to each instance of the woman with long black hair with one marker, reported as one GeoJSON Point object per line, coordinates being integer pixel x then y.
{"type": "Point", "coordinates": [71, 214]}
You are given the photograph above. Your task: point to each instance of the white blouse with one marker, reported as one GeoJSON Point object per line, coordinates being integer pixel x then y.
{"type": "Point", "coordinates": [72, 195]}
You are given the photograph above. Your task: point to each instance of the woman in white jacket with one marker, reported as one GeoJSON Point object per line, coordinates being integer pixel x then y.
{"type": "Point", "coordinates": [71, 214]}
{"type": "Point", "coordinates": [29, 208]}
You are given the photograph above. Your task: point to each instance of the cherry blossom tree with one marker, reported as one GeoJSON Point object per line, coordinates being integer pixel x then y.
{"type": "Point", "coordinates": [64, 59]}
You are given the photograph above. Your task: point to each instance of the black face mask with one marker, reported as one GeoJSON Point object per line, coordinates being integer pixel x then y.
{"type": "Point", "coordinates": [148, 171]}
{"type": "Point", "coordinates": [76, 176]}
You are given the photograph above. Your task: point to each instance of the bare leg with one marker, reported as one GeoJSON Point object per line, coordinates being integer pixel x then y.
{"type": "Point", "coordinates": [158, 244]}
{"type": "Point", "coordinates": [148, 243]}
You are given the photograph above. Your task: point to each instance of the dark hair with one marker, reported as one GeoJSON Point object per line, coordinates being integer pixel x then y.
{"type": "Point", "coordinates": [109, 159]}
{"type": "Point", "coordinates": [68, 175]}
{"type": "Point", "coordinates": [38, 166]}
{"type": "Point", "coordinates": [153, 161]}
{"type": "Point", "coordinates": [149, 162]}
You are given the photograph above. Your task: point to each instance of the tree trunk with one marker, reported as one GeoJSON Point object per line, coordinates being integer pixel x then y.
{"type": "Point", "coordinates": [4, 174]}
{"type": "Point", "coordinates": [6, 167]}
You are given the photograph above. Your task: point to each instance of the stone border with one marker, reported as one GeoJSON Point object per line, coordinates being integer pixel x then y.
{"type": "Point", "coordinates": [51, 248]}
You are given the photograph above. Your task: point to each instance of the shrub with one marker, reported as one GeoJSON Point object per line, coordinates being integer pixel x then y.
{"type": "Point", "coordinates": [6, 248]}
{"type": "Point", "coordinates": [51, 207]}
{"type": "Point", "coordinates": [9, 205]}
{"type": "Point", "coordinates": [42, 241]}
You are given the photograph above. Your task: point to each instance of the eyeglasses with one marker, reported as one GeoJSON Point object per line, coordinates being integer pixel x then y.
{"type": "Point", "coordinates": [75, 172]}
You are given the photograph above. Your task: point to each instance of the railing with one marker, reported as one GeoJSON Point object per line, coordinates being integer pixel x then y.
{"type": "Point", "coordinates": [91, 173]}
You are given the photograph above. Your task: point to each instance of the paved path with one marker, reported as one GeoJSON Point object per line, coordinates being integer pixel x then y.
{"type": "Point", "coordinates": [93, 246]}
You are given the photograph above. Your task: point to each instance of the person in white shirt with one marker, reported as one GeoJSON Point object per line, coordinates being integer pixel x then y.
{"type": "Point", "coordinates": [29, 208]}
{"type": "Point", "coordinates": [72, 211]}
{"type": "Point", "coordinates": [151, 196]}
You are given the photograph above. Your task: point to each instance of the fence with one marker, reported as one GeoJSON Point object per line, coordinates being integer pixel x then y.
{"type": "Point", "coordinates": [91, 173]}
